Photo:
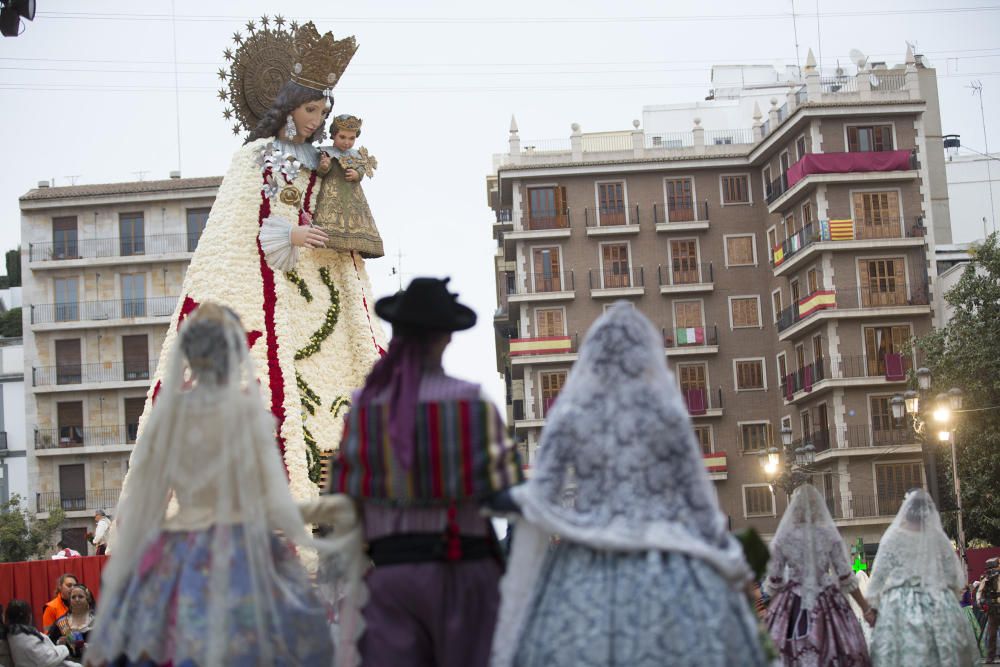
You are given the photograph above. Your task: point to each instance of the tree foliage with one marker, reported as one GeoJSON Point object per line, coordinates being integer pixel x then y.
{"type": "Point", "coordinates": [10, 324]}
{"type": "Point", "coordinates": [23, 537]}
{"type": "Point", "coordinates": [966, 354]}
{"type": "Point", "coordinates": [13, 261]}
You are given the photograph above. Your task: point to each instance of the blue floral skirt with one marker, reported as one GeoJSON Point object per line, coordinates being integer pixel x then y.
{"type": "Point", "coordinates": [599, 608]}
{"type": "Point", "coordinates": [160, 616]}
{"type": "Point", "coordinates": [918, 626]}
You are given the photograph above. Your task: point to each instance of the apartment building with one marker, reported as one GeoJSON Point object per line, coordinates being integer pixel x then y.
{"type": "Point", "coordinates": [102, 271]}
{"type": "Point", "coordinates": [13, 459]}
{"type": "Point", "coordinates": [787, 264]}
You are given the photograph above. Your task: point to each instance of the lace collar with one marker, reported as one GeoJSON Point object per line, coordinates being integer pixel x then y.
{"type": "Point", "coordinates": [305, 153]}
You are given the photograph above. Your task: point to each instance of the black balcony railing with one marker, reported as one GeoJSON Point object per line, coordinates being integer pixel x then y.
{"type": "Point", "coordinates": [680, 337]}
{"type": "Point", "coordinates": [611, 216]}
{"type": "Point", "coordinates": [685, 273]}
{"type": "Point", "coordinates": [888, 366]}
{"type": "Point", "coordinates": [547, 219]}
{"type": "Point", "coordinates": [689, 212]}
{"type": "Point", "coordinates": [504, 215]}
{"type": "Point", "coordinates": [775, 188]}
{"type": "Point", "coordinates": [864, 506]}
{"type": "Point", "coordinates": [111, 371]}
{"type": "Point", "coordinates": [90, 436]}
{"type": "Point", "coordinates": [620, 278]}
{"type": "Point", "coordinates": [546, 281]}
{"type": "Point", "coordinates": [111, 309]}
{"type": "Point", "coordinates": [700, 400]}
{"type": "Point", "coordinates": [91, 499]}
{"type": "Point", "coordinates": [796, 313]}
{"type": "Point", "coordinates": [885, 227]}
{"type": "Point", "coordinates": [160, 244]}
{"type": "Point", "coordinates": [877, 435]}
{"type": "Point", "coordinates": [804, 378]}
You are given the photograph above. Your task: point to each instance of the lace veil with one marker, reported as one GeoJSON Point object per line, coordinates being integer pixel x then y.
{"type": "Point", "coordinates": [808, 543]}
{"type": "Point", "coordinates": [915, 551]}
{"type": "Point", "coordinates": [618, 468]}
{"type": "Point", "coordinates": [206, 460]}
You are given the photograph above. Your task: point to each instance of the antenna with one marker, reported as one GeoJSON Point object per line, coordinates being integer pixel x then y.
{"type": "Point", "coordinates": [141, 174]}
{"type": "Point", "coordinates": [977, 89]}
{"type": "Point", "coordinates": [819, 40]}
{"type": "Point", "coordinates": [177, 94]}
{"type": "Point", "coordinates": [795, 34]}
{"type": "Point", "coordinates": [859, 58]}
{"type": "Point", "coordinates": [398, 269]}
{"type": "Point", "coordinates": [72, 178]}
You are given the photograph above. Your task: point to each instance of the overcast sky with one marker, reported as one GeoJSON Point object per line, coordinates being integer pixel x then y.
{"type": "Point", "coordinates": [88, 93]}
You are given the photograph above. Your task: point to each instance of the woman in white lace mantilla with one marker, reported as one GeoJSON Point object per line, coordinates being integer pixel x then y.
{"type": "Point", "coordinates": [644, 573]}
{"type": "Point", "coordinates": [808, 577]}
{"type": "Point", "coordinates": [916, 582]}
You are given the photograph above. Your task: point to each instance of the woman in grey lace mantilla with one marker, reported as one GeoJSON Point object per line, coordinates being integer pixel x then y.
{"type": "Point", "coordinates": [808, 576]}
{"type": "Point", "coordinates": [645, 572]}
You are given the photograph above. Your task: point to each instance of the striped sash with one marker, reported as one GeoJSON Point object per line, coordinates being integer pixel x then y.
{"type": "Point", "coordinates": [462, 452]}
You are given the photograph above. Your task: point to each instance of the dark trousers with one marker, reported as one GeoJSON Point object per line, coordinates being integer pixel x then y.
{"type": "Point", "coordinates": [992, 625]}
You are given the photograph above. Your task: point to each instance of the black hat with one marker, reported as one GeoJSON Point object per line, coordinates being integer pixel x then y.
{"type": "Point", "coordinates": [426, 304]}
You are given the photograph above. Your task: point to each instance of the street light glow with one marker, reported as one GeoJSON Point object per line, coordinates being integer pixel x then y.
{"type": "Point", "coordinates": [942, 414]}
{"type": "Point", "coordinates": [771, 467]}
{"type": "Point", "coordinates": [944, 436]}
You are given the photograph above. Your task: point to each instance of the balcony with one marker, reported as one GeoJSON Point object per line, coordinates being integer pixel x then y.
{"type": "Point", "coordinates": [113, 248]}
{"type": "Point", "coordinates": [861, 302]}
{"type": "Point", "coordinates": [609, 221]}
{"type": "Point", "coordinates": [692, 217]}
{"type": "Point", "coordinates": [715, 466]}
{"type": "Point", "coordinates": [91, 499]}
{"type": "Point", "coordinates": [864, 166]}
{"type": "Point", "coordinates": [105, 312]}
{"type": "Point", "coordinates": [543, 350]}
{"type": "Point", "coordinates": [616, 282]}
{"type": "Point", "coordinates": [845, 371]}
{"type": "Point", "coordinates": [843, 235]}
{"type": "Point", "coordinates": [544, 286]}
{"type": "Point", "coordinates": [686, 341]}
{"type": "Point", "coordinates": [866, 436]}
{"type": "Point", "coordinates": [864, 507]}
{"type": "Point", "coordinates": [52, 441]}
{"type": "Point", "coordinates": [3, 441]}
{"type": "Point", "coordinates": [702, 402]}
{"type": "Point", "coordinates": [686, 277]}
{"type": "Point", "coordinates": [69, 377]}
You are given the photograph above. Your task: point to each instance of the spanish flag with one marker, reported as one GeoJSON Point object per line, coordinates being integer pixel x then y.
{"type": "Point", "coordinates": [547, 345]}
{"type": "Point", "coordinates": [818, 300]}
{"type": "Point", "coordinates": [779, 254]}
{"type": "Point", "coordinates": [715, 462]}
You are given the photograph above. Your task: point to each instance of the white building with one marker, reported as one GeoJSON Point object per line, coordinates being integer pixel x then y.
{"type": "Point", "coordinates": [13, 443]}
{"type": "Point", "coordinates": [102, 268]}
{"type": "Point", "coordinates": [970, 176]}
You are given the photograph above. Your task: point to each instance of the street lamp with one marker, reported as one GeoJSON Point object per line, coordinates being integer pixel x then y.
{"type": "Point", "coordinates": [795, 460]}
{"type": "Point", "coordinates": [942, 413]}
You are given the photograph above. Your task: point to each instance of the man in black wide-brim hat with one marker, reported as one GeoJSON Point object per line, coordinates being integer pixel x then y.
{"type": "Point", "coordinates": [421, 452]}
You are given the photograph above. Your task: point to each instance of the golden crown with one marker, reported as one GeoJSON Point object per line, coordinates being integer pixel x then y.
{"type": "Point", "coordinates": [320, 61]}
{"type": "Point", "coordinates": [347, 122]}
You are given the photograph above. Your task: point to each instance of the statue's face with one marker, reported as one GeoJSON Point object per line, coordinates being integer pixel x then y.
{"type": "Point", "coordinates": [308, 118]}
{"type": "Point", "coordinates": [344, 139]}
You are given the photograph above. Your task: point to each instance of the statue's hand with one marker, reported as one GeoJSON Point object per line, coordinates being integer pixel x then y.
{"type": "Point", "coordinates": [351, 175]}
{"type": "Point", "coordinates": [308, 237]}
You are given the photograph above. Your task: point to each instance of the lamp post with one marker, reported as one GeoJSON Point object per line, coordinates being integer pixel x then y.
{"type": "Point", "coordinates": [793, 474]}
{"type": "Point", "coordinates": [941, 412]}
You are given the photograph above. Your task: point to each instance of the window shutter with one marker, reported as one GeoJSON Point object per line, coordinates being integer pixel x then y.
{"type": "Point", "coordinates": [852, 139]}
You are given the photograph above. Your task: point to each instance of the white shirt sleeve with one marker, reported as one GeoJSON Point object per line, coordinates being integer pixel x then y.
{"type": "Point", "coordinates": [101, 531]}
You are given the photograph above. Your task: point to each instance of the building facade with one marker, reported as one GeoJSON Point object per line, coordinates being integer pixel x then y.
{"type": "Point", "coordinates": [787, 265]}
{"type": "Point", "coordinates": [13, 454]}
{"type": "Point", "coordinates": [102, 270]}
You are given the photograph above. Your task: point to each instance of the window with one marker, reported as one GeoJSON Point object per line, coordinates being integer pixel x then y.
{"type": "Point", "coordinates": [549, 322]}
{"type": "Point", "coordinates": [614, 265]}
{"type": "Point", "coordinates": [744, 311]}
{"type": "Point", "coordinates": [547, 208]}
{"type": "Point", "coordinates": [67, 303]}
{"type": "Point", "coordinates": [805, 419]}
{"type": "Point", "coordinates": [869, 138]}
{"type": "Point", "coordinates": [680, 199]}
{"type": "Point", "coordinates": [807, 214]}
{"type": "Point", "coordinates": [772, 243]}
{"type": "Point", "coordinates": [135, 353]}
{"type": "Point", "coordinates": [704, 435]}
{"type": "Point", "coordinates": [776, 304]}
{"type": "Point", "coordinates": [880, 341]}
{"type": "Point", "coordinates": [783, 161]}
{"type": "Point", "coordinates": [68, 368]}
{"type": "Point", "coordinates": [882, 422]}
{"type": "Point", "coordinates": [688, 323]}
{"type": "Point", "coordinates": [611, 200]}
{"type": "Point", "coordinates": [131, 234]}
{"type": "Point", "coordinates": [793, 287]}
{"type": "Point", "coordinates": [812, 280]}
{"type": "Point", "coordinates": [800, 357]}
{"type": "Point", "coordinates": [883, 282]}
{"type": "Point", "coordinates": [789, 224]}
{"type": "Point", "coordinates": [72, 487]}
{"type": "Point", "coordinates": [197, 218]}
{"type": "Point", "coordinates": [69, 416]}
{"type": "Point", "coordinates": [684, 262]}
{"type": "Point", "coordinates": [892, 481]}
{"type": "Point", "coordinates": [735, 189]}
{"type": "Point", "coordinates": [134, 295]}
{"type": "Point", "coordinates": [608, 306]}
{"type": "Point", "coordinates": [758, 500]}
{"type": "Point", "coordinates": [133, 410]}
{"type": "Point", "coordinates": [817, 348]}
{"type": "Point", "coordinates": [694, 386]}
{"type": "Point", "coordinates": [800, 148]}
{"type": "Point", "coordinates": [782, 369]}
{"type": "Point", "coordinates": [740, 250]}
{"type": "Point", "coordinates": [755, 436]}
{"type": "Point", "coordinates": [64, 238]}
{"type": "Point", "coordinates": [876, 215]}
{"type": "Point", "coordinates": [765, 175]}
{"type": "Point", "coordinates": [749, 374]}
{"type": "Point", "coordinates": [546, 276]}
{"type": "Point", "coordinates": [551, 383]}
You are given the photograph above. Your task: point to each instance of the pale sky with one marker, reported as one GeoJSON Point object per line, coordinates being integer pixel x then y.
{"type": "Point", "coordinates": [88, 92]}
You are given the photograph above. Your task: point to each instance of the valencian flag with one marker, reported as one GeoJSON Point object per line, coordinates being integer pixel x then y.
{"type": "Point", "coordinates": [690, 335]}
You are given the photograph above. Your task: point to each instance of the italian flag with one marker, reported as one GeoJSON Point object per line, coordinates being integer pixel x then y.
{"type": "Point", "coordinates": [690, 335]}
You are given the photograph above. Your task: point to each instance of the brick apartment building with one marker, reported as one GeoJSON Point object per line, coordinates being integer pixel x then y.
{"type": "Point", "coordinates": [787, 265]}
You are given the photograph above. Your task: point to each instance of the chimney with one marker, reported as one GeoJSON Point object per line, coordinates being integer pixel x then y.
{"type": "Point", "coordinates": [175, 174]}
{"type": "Point", "coordinates": [43, 184]}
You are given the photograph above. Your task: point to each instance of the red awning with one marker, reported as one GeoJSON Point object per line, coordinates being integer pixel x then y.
{"type": "Point", "coordinates": [843, 163]}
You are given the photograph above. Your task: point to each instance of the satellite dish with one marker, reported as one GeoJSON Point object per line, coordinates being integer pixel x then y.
{"type": "Point", "coordinates": [859, 58]}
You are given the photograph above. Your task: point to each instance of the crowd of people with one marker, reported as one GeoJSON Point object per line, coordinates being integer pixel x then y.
{"type": "Point", "coordinates": [620, 554]}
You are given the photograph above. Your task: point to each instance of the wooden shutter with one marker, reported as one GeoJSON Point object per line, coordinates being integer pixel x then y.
{"type": "Point", "coordinates": [794, 286]}
{"type": "Point", "coordinates": [72, 487]}
{"type": "Point", "coordinates": [812, 280]}
{"type": "Point", "coordinates": [612, 204]}
{"type": "Point", "coordinates": [68, 367]}
{"type": "Point", "coordinates": [133, 411]}
{"type": "Point", "coordinates": [749, 375]}
{"type": "Point", "coordinates": [739, 250]}
{"type": "Point", "coordinates": [852, 139]}
{"type": "Point", "coordinates": [704, 435]}
{"type": "Point", "coordinates": [616, 268]}
{"type": "Point", "coordinates": [680, 201]}
{"type": "Point", "coordinates": [135, 353]}
{"type": "Point", "coordinates": [807, 217]}
{"type": "Point", "coordinates": [684, 262]}
{"type": "Point", "coordinates": [882, 138]}
{"type": "Point", "coordinates": [546, 264]}
{"type": "Point", "coordinates": [550, 322]}
{"type": "Point", "coordinates": [782, 367]}
{"type": "Point", "coordinates": [745, 312]}
{"type": "Point", "coordinates": [735, 189]}
{"type": "Point", "coordinates": [552, 384]}
{"type": "Point", "coordinates": [817, 348]}
{"type": "Point", "coordinates": [692, 376]}
{"type": "Point", "coordinates": [892, 481]}
{"type": "Point", "coordinates": [758, 500]}
{"type": "Point", "coordinates": [69, 416]}
{"type": "Point", "coordinates": [687, 314]}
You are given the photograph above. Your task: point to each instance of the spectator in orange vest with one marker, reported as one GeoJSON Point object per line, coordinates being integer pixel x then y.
{"type": "Point", "coordinates": [58, 605]}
